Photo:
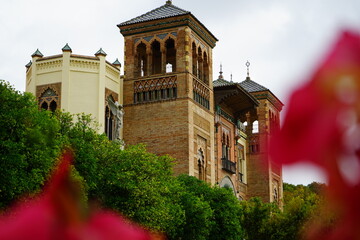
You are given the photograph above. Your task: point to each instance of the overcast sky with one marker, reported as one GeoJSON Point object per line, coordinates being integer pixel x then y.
{"type": "Point", "coordinates": [282, 39]}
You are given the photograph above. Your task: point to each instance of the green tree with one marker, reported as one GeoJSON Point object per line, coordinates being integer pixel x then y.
{"type": "Point", "coordinates": [256, 217]}
{"type": "Point", "coordinates": [132, 181]}
{"type": "Point", "coordinates": [29, 144]}
{"type": "Point", "coordinates": [222, 222]}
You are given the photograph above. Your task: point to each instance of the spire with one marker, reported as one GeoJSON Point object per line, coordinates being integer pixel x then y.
{"type": "Point", "coordinates": [168, 2]}
{"type": "Point", "coordinates": [247, 64]}
{"type": "Point", "coordinates": [231, 77]}
{"type": "Point", "coordinates": [221, 72]}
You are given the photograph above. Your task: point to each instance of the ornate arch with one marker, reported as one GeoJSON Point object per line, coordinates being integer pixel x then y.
{"type": "Point", "coordinates": [49, 96]}
{"type": "Point", "coordinates": [226, 182]}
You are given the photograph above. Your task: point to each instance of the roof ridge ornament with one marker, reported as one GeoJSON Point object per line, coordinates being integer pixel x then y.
{"type": "Point", "coordinates": [247, 64]}
{"type": "Point", "coordinates": [221, 72]}
{"type": "Point", "coordinates": [168, 2]}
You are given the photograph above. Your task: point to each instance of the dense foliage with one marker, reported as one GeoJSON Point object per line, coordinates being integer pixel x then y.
{"type": "Point", "coordinates": [28, 144]}
{"type": "Point", "coordinates": [133, 181]}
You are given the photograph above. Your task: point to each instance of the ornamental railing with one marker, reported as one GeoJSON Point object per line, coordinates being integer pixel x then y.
{"type": "Point", "coordinates": [228, 165]}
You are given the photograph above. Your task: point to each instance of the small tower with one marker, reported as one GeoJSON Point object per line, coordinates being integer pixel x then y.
{"type": "Point", "coordinates": [264, 176]}
{"type": "Point", "coordinates": [168, 95]}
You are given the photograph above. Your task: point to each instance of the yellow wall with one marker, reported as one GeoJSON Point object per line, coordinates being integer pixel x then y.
{"type": "Point", "coordinates": [83, 81]}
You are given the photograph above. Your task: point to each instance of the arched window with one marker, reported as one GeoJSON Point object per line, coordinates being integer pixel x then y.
{"type": "Point", "coordinates": [200, 64]}
{"type": "Point", "coordinates": [48, 100]}
{"type": "Point", "coordinates": [201, 165]}
{"type": "Point", "coordinates": [241, 163]}
{"type": "Point", "coordinates": [44, 106]}
{"type": "Point", "coordinates": [194, 60]}
{"type": "Point", "coordinates": [141, 69]}
{"type": "Point", "coordinates": [156, 57]}
{"type": "Point", "coordinates": [205, 77]}
{"type": "Point", "coordinates": [53, 106]}
{"type": "Point", "coordinates": [109, 123]}
{"type": "Point", "coordinates": [170, 55]}
{"type": "Point", "coordinates": [225, 147]}
{"type": "Point", "coordinates": [255, 128]}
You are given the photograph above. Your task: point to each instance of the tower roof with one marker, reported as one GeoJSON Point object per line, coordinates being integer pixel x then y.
{"type": "Point", "coordinates": [66, 48]}
{"type": "Point", "coordinates": [29, 64]}
{"type": "Point", "coordinates": [251, 86]}
{"type": "Point", "coordinates": [165, 11]}
{"type": "Point", "coordinates": [37, 53]}
{"type": "Point", "coordinates": [167, 16]}
{"type": "Point", "coordinates": [116, 62]}
{"type": "Point", "coordinates": [100, 52]}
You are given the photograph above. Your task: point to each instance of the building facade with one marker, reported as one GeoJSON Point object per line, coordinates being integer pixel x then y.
{"type": "Point", "coordinates": [217, 131]}
{"type": "Point", "coordinates": [77, 84]}
{"type": "Point", "coordinates": [168, 92]}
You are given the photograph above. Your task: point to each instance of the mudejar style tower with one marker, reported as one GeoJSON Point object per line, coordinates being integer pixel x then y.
{"type": "Point", "coordinates": [168, 89]}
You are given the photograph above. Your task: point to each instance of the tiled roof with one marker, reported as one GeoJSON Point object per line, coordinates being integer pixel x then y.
{"type": "Point", "coordinates": [222, 82]}
{"type": "Point", "coordinates": [251, 86]}
{"type": "Point", "coordinates": [165, 11]}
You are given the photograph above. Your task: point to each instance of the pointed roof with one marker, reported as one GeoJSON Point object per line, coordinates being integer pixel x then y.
{"type": "Point", "coordinates": [66, 48]}
{"type": "Point", "coordinates": [29, 64]}
{"type": "Point", "coordinates": [165, 11]}
{"type": "Point", "coordinates": [116, 62]}
{"type": "Point", "coordinates": [100, 52]}
{"type": "Point", "coordinates": [37, 53]}
{"type": "Point", "coordinates": [251, 86]}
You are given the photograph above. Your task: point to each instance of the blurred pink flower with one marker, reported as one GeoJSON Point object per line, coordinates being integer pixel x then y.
{"type": "Point", "coordinates": [57, 214]}
{"type": "Point", "coordinates": [323, 126]}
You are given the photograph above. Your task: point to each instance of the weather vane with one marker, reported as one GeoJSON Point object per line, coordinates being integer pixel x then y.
{"type": "Point", "coordinates": [247, 64]}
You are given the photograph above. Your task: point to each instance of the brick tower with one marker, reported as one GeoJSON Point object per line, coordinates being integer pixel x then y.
{"type": "Point", "coordinates": [264, 177]}
{"type": "Point", "coordinates": [168, 92]}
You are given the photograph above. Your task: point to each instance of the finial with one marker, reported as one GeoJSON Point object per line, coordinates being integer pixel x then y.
{"type": "Point", "coordinates": [168, 2]}
{"type": "Point", "coordinates": [221, 72]}
{"type": "Point", "coordinates": [247, 64]}
{"type": "Point", "coordinates": [231, 77]}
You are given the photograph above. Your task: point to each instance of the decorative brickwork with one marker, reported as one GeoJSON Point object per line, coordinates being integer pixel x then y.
{"type": "Point", "coordinates": [201, 93]}
{"type": "Point", "coordinates": [42, 96]}
{"type": "Point", "coordinates": [155, 84]}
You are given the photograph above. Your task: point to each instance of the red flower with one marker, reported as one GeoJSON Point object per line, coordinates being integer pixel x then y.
{"type": "Point", "coordinates": [57, 214]}
{"type": "Point", "coordinates": [323, 126]}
